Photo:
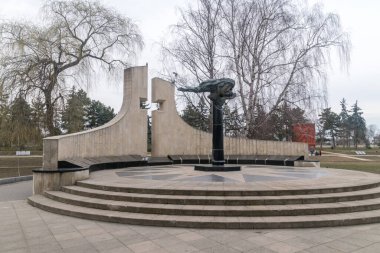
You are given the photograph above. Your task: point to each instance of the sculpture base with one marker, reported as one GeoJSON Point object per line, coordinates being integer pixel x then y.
{"type": "Point", "coordinates": [220, 168]}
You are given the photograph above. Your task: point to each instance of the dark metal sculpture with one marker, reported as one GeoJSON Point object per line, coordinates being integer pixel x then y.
{"type": "Point", "coordinates": [220, 90]}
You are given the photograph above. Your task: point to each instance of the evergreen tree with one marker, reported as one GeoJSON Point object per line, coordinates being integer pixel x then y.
{"type": "Point", "coordinates": [283, 120]}
{"type": "Point", "coordinates": [264, 128]}
{"type": "Point", "coordinates": [330, 122]}
{"type": "Point", "coordinates": [39, 116]}
{"type": "Point", "coordinates": [233, 123]}
{"type": "Point", "coordinates": [74, 114]}
{"type": "Point", "coordinates": [97, 114]}
{"type": "Point", "coordinates": [345, 128]}
{"type": "Point", "coordinates": [197, 116]}
{"type": "Point", "coordinates": [23, 130]}
{"type": "Point", "coordinates": [358, 124]}
{"type": "Point", "coordinates": [4, 119]}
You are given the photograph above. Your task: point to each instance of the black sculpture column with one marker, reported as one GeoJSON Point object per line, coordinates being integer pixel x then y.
{"type": "Point", "coordinates": [220, 90]}
{"type": "Point", "coordinates": [217, 132]}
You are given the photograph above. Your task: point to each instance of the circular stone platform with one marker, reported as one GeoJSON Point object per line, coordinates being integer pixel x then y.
{"type": "Point", "coordinates": [250, 177]}
{"type": "Point", "coordinates": [255, 197]}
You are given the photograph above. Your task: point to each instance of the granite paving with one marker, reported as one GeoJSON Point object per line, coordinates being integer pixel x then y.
{"type": "Point", "coordinates": [24, 228]}
{"type": "Point", "coordinates": [16, 191]}
{"type": "Point", "coordinates": [251, 177]}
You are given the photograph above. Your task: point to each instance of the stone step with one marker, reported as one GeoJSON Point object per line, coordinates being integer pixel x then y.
{"type": "Point", "coordinates": [216, 210]}
{"type": "Point", "coordinates": [268, 222]}
{"type": "Point", "coordinates": [224, 192]}
{"type": "Point", "coordinates": [224, 200]}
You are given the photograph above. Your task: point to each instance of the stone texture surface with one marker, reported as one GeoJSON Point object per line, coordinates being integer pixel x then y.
{"type": "Point", "coordinates": [126, 134]}
{"type": "Point", "coordinates": [16, 191]}
{"type": "Point", "coordinates": [172, 136]}
{"type": "Point", "coordinates": [266, 178]}
{"type": "Point", "coordinates": [123, 135]}
{"type": "Point", "coordinates": [256, 197]}
{"type": "Point", "coordinates": [27, 229]}
{"type": "Point", "coordinates": [55, 180]}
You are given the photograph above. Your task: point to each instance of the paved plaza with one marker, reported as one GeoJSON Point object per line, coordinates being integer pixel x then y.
{"type": "Point", "coordinates": [28, 229]}
{"type": "Point", "coordinates": [24, 228]}
{"type": "Point", "coordinates": [250, 178]}
{"type": "Point", "coordinates": [16, 191]}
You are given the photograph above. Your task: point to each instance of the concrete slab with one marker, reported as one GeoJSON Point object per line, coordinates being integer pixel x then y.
{"type": "Point", "coordinates": [67, 234]}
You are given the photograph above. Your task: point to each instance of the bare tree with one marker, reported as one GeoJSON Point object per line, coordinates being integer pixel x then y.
{"type": "Point", "coordinates": [371, 132]}
{"type": "Point", "coordinates": [76, 37]}
{"type": "Point", "coordinates": [277, 51]}
{"type": "Point", "coordinates": [196, 40]}
{"type": "Point", "coordinates": [195, 48]}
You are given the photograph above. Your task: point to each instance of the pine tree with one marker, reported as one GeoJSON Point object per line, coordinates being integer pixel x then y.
{"type": "Point", "coordinates": [233, 123]}
{"type": "Point", "coordinates": [283, 120]}
{"type": "Point", "coordinates": [345, 128]}
{"type": "Point", "coordinates": [97, 114]}
{"type": "Point", "coordinates": [263, 129]}
{"type": "Point", "coordinates": [330, 122]}
{"type": "Point", "coordinates": [358, 124]}
{"type": "Point", "coordinates": [39, 116]}
{"type": "Point", "coordinates": [4, 118]}
{"type": "Point", "coordinates": [197, 116]}
{"type": "Point", "coordinates": [74, 114]}
{"type": "Point", "coordinates": [24, 131]}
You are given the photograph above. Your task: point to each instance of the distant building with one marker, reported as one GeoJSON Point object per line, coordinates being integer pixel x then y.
{"type": "Point", "coordinates": [304, 132]}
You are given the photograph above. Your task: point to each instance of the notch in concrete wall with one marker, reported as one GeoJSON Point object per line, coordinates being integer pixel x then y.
{"type": "Point", "coordinates": [144, 104]}
{"type": "Point", "coordinates": [160, 105]}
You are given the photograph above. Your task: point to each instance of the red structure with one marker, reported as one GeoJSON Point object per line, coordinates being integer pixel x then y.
{"type": "Point", "coordinates": [305, 132]}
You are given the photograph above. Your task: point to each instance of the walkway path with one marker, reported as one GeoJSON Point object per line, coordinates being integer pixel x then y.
{"type": "Point", "coordinates": [24, 228]}
{"type": "Point", "coordinates": [326, 153]}
{"type": "Point", "coordinates": [16, 191]}
{"type": "Point", "coordinates": [27, 229]}
{"type": "Point", "coordinates": [15, 156]}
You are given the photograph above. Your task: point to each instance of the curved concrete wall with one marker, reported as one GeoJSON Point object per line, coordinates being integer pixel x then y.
{"type": "Point", "coordinates": [123, 135]}
{"type": "Point", "coordinates": [173, 136]}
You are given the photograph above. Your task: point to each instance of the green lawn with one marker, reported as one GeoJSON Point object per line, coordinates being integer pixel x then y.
{"type": "Point", "coordinates": [18, 166]}
{"type": "Point", "coordinates": [351, 151]}
{"type": "Point", "coordinates": [372, 165]}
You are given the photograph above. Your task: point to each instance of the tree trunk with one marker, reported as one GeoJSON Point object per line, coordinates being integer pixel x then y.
{"type": "Point", "coordinates": [333, 141]}
{"type": "Point", "coordinates": [210, 119]}
{"type": "Point", "coordinates": [50, 114]}
{"type": "Point", "coordinates": [321, 142]}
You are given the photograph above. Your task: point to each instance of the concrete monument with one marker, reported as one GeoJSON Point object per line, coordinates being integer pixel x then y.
{"type": "Point", "coordinates": [126, 134]}
{"type": "Point", "coordinates": [171, 135]}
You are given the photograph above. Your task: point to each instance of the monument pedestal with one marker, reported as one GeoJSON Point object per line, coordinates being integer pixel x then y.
{"type": "Point", "coordinates": [219, 168]}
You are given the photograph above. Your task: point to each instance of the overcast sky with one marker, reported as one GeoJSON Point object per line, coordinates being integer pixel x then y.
{"type": "Point", "coordinates": [360, 19]}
